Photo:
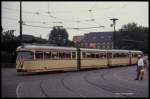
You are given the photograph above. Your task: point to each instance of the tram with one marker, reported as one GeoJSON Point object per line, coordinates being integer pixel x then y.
{"type": "Point", "coordinates": [35, 58]}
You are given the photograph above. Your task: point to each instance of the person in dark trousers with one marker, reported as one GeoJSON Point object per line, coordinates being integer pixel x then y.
{"type": "Point", "coordinates": [140, 66]}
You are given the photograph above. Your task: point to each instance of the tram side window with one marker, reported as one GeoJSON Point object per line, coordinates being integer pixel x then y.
{"type": "Point", "coordinates": [47, 55]}
{"type": "Point", "coordinates": [39, 55]}
{"type": "Point", "coordinates": [92, 55]}
{"type": "Point", "coordinates": [73, 55]}
{"type": "Point", "coordinates": [54, 55]}
{"type": "Point", "coordinates": [68, 55]}
{"type": "Point", "coordinates": [88, 55]}
{"type": "Point", "coordinates": [123, 55]}
{"type": "Point", "coordinates": [126, 55]}
{"type": "Point", "coordinates": [135, 55]}
{"type": "Point", "coordinates": [120, 55]}
{"type": "Point", "coordinates": [61, 55]}
{"type": "Point", "coordinates": [96, 55]}
{"type": "Point", "coordinates": [116, 55]}
{"type": "Point", "coordinates": [25, 55]}
{"type": "Point", "coordinates": [110, 55]}
{"type": "Point", "coordinates": [102, 55]}
{"type": "Point", "coordinates": [83, 55]}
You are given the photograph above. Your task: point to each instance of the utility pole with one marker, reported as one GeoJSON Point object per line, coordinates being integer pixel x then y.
{"type": "Point", "coordinates": [21, 22]}
{"type": "Point", "coordinates": [114, 35]}
{"type": "Point", "coordinates": [78, 56]}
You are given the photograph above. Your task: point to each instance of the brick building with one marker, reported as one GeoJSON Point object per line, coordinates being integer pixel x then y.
{"type": "Point", "coordinates": [99, 40]}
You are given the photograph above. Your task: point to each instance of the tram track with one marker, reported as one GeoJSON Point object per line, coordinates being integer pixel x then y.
{"type": "Point", "coordinates": [69, 89]}
{"type": "Point", "coordinates": [116, 88]}
{"type": "Point", "coordinates": [81, 90]}
{"type": "Point", "coordinates": [70, 92]}
{"type": "Point", "coordinates": [106, 86]}
{"type": "Point", "coordinates": [75, 84]}
{"type": "Point", "coordinates": [42, 89]}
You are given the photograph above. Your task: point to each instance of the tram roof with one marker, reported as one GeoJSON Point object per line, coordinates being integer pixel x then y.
{"type": "Point", "coordinates": [132, 51]}
{"type": "Point", "coordinates": [109, 50]}
{"type": "Point", "coordinates": [46, 47]}
{"type": "Point", "coordinates": [36, 47]}
{"type": "Point", "coordinates": [118, 50]}
{"type": "Point", "coordinates": [135, 51]}
{"type": "Point", "coordinates": [87, 49]}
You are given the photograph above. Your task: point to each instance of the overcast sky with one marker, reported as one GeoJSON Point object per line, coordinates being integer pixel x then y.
{"type": "Point", "coordinates": [72, 15]}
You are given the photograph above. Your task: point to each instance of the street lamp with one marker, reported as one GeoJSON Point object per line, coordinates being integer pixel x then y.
{"type": "Point", "coordinates": [114, 23]}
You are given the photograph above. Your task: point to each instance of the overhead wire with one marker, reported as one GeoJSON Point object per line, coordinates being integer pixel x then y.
{"type": "Point", "coordinates": [92, 19]}
{"type": "Point", "coordinates": [65, 28]}
{"type": "Point", "coordinates": [51, 16]}
{"type": "Point", "coordinates": [25, 24]}
{"type": "Point", "coordinates": [48, 9]}
{"type": "Point", "coordinates": [36, 26]}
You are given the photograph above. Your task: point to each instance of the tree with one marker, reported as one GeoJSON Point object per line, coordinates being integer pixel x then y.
{"type": "Point", "coordinates": [59, 36]}
{"type": "Point", "coordinates": [32, 39]}
{"type": "Point", "coordinates": [9, 41]}
{"type": "Point", "coordinates": [133, 37]}
{"type": "Point", "coordinates": [9, 44]}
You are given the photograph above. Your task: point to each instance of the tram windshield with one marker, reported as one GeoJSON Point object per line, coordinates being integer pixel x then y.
{"type": "Point", "coordinates": [25, 55]}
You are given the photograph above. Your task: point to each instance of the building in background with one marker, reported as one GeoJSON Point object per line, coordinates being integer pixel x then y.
{"type": "Point", "coordinates": [78, 38]}
{"type": "Point", "coordinates": [99, 40]}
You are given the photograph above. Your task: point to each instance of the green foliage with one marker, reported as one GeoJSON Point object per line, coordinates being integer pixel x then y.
{"type": "Point", "coordinates": [32, 39]}
{"type": "Point", "coordinates": [132, 37]}
{"type": "Point", "coordinates": [10, 42]}
{"type": "Point", "coordinates": [70, 43]}
{"type": "Point", "coordinates": [6, 57]}
{"type": "Point", "coordinates": [59, 36]}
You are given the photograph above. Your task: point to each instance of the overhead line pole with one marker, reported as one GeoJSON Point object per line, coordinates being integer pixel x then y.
{"type": "Point", "coordinates": [20, 22]}
{"type": "Point", "coordinates": [114, 35]}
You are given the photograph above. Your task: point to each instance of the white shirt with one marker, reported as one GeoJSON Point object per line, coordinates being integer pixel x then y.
{"type": "Point", "coordinates": [140, 62]}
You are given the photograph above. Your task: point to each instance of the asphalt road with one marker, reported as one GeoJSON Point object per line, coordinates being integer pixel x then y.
{"type": "Point", "coordinates": [110, 82]}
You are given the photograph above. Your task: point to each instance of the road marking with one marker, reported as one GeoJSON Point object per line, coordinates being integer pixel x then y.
{"type": "Point", "coordinates": [17, 89]}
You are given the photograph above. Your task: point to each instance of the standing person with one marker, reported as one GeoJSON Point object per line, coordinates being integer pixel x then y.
{"type": "Point", "coordinates": [140, 66]}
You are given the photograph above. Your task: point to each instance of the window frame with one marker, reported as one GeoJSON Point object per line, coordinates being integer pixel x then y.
{"type": "Point", "coordinates": [93, 55]}
{"type": "Point", "coordinates": [33, 56]}
{"type": "Point", "coordinates": [39, 58]}
{"type": "Point", "coordinates": [126, 55]}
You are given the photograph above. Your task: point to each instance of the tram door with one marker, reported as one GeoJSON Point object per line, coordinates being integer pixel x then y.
{"type": "Point", "coordinates": [130, 57]}
{"type": "Point", "coordinates": [109, 56]}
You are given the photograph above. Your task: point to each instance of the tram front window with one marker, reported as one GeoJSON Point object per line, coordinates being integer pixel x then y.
{"type": "Point", "coordinates": [25, 55]}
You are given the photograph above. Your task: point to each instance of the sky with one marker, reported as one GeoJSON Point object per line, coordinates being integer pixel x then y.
{"type": "Point", "coordinates": [40, 17]}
